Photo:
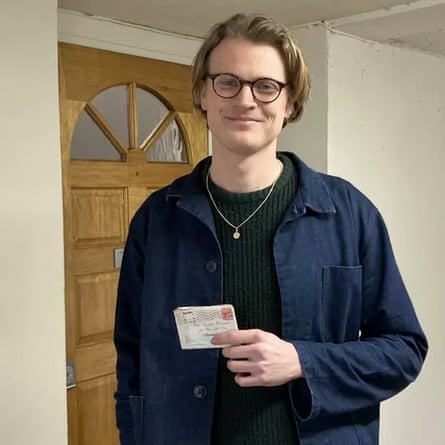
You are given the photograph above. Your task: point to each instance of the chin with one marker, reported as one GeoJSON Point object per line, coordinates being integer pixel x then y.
{"type": "Point", "coordinates": [241, 143]}
{"type": "Point", "coordinates": [245, 149]}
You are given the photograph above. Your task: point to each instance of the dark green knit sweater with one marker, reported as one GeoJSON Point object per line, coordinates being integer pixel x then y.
{"type": "Point", "coordinates": [258, 415]}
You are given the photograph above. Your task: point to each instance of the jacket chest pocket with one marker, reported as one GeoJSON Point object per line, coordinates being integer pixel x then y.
{"type": "Point", "coordinates": [341, 303]}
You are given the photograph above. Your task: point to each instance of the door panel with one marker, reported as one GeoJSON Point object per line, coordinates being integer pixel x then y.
{"type": "Point", "coordinates": [97, 411]}
{"type": "Point", "coordinates": [114, 155]}
{"type": "Point", "coordinates": [99, 216]}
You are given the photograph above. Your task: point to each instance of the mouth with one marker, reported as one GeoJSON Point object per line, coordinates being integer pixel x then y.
{"type": "Point", "coordinates": [245, 119]}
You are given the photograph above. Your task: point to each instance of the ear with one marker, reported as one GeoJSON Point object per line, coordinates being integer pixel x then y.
{"type": "Point", "coordinates": [289, 109]}
{"type": "Point", "coordinates": [203, 96]}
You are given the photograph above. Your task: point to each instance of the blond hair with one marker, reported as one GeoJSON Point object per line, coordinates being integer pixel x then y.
{"type": "Point", "coordinates": [257, 29]}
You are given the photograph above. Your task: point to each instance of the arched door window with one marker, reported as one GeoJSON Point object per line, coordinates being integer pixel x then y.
{"type": "Point", "coordinates": [125, 118]}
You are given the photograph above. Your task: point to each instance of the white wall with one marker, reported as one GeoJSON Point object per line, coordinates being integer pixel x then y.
{"type": "Point", "coordinates": [32, 333]}
{"type": "Point", "coordinates": [387, 135]}
{"type": "Point", "coordinates": [308, 137]}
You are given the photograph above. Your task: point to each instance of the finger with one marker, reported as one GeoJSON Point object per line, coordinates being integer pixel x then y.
{"type": "Point", "coordinates": [224, 338]}
{"type": "Point", "coordinates": [238, 352]}
{"type": "Point", "coordinates": [239, 337]}
{"type": "Point", "coordinates": [239, 366]}
{"type": "Point", "coordinates": [248, 380]}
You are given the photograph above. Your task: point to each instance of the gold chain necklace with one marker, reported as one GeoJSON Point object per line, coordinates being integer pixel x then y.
{"type": "Point", "coordinates": [236, 235]}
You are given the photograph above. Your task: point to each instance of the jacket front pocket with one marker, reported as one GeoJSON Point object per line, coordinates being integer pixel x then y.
{"type": "Point", "coordinates": [341, 303]}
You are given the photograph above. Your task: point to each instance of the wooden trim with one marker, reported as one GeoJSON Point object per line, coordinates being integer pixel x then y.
{"type": "Point", "coordinates": [92, 357]}
{"type": "Point", "coordinates": [65, 142]}
{"type": "Point", "coordinates": [169, 80]}
{"type": "Point", "coordinates": [151, 175]}
{"type": "Point", "coordinates": [132, 115]}
{"type": "Point", "coordinates": [106, 129]}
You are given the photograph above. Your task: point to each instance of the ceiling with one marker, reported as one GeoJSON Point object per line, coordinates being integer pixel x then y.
{"type": "Point", "coordinates": [419, 24]}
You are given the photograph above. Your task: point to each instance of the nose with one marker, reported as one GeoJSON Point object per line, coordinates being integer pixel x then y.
{"type": "Point", "coordinates": [245, 96]}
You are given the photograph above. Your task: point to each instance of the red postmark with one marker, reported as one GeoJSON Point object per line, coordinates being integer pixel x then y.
{"type": "Point", "coordinates": [227, 313]}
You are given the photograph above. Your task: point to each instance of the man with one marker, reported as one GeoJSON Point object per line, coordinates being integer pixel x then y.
{"type": "Point", "coordinates": [326, 328]}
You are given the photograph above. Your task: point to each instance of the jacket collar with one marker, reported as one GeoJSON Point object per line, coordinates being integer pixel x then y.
{"type": "Point", "coordinates": [312, 191]}
{"type": "Point", "coordinates": [191, 184]}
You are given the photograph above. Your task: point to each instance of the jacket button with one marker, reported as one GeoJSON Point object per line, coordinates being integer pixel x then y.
{"type": "Point", "coordinates": [200, 391]}
{"type": "Point", "coordinates": [211, 266]}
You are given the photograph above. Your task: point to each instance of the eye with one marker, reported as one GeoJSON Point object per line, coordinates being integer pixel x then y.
{"type": "Point", "coordinates": [225, 81]}
{"type": "Point", "coordinates": [266, 86]}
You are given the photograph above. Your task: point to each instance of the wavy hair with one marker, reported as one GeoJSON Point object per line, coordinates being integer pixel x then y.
{"type": "Point", "coordinates": [257, 29]}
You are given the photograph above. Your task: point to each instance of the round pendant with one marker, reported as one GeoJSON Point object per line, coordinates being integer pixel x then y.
{"type": "Point", "coordinates": [236, 234]}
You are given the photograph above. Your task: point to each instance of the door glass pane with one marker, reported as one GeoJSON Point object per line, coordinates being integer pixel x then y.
{"type": "Point", "coordinates": [89, 142]}
{"type": "Point", "coordinates": [170, 147]}
{"type": "Point", "coordinates": [150, 112]}
{"type": "Point", "coordinates": [112, 105]}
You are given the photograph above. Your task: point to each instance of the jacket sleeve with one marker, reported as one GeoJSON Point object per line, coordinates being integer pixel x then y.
{"type": "Point", "coordinates": [127, 331]}
{"type": "Point", "coordinates": [347, 377]}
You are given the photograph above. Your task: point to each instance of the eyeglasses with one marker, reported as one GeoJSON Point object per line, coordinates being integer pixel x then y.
{"type": "Point", "coordinates": [263, 90]}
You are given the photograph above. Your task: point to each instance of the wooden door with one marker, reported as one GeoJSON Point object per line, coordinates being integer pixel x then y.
{"type": "Point", "coordinates": [127, 128]}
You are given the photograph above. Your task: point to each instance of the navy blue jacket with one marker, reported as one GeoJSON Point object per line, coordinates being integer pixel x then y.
{"type": "Point", "coordinates": [344, 308]}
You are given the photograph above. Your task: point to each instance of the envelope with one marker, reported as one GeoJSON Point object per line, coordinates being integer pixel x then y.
{"type": "Point", "coordinates": [196, 325]}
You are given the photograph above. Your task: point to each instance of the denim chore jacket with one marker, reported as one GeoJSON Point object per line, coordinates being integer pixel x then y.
{"type": "Point", "coordinates": [344, 308]}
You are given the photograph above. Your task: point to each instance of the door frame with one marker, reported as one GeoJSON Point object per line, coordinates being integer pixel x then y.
{"type": "Point", "coordinates": [125, 38]}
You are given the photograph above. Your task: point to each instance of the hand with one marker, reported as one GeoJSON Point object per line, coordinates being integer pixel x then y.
{"type": "Point", "coordinates": [259, 358]}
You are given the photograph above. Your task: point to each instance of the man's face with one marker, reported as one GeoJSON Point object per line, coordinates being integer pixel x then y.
{"type": "Point", "coordinates": [243, 125]}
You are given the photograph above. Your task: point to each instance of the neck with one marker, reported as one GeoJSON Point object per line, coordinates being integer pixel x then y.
{"type": "Point", "coordinates": [241, 174]}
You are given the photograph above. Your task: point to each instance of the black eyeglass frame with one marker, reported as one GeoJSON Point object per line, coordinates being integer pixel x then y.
{"type": "Point", "coordinates": [250, 83]}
